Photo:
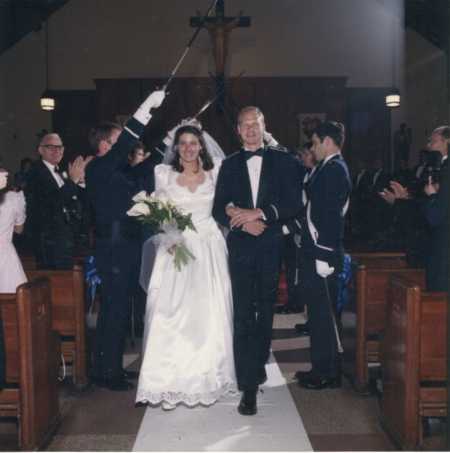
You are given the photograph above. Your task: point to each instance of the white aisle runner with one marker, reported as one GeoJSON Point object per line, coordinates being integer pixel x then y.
{"type": "Point", "coordinates": [276, 427]}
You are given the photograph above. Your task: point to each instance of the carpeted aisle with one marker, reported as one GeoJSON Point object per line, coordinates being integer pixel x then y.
{"type": "Point", "coordinates": [276, 427]}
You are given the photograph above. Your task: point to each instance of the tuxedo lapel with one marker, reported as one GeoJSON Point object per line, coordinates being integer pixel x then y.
{"type": "Point", "coordinates": [264, 178]}
{"type": "Point", "coordinates": [245, 179]}
{"type": "Point", "coordinates": [44, 170]}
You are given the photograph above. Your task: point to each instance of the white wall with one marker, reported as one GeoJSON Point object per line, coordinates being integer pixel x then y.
{"type": "Point", "coordinates": [92, 39]}
{"type": "Point", "coordinates": [426, 89]}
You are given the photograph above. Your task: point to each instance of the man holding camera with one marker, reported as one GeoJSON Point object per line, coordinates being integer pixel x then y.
{"type": "Point", "coordinates": [434, 208]}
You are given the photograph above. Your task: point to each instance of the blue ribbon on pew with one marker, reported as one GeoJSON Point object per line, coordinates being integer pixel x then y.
{"type": "Point", "coordinates": [91, 276]}
{"type": "Point", "coordinates": [343, 283]}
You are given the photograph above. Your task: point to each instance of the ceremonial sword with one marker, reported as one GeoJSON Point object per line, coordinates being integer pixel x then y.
{"type": "Point", "coordinates": [183, 56]}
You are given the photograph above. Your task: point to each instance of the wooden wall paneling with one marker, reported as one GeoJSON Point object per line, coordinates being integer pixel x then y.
{"type": "Point", "coordinates": [73, 117]}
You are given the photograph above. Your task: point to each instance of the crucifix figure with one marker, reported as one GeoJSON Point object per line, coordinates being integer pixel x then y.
{"type": "Point", "coordinates": [219, 28]}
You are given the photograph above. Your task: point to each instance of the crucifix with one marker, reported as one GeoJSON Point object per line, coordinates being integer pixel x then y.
{"type": "Point", "coordinates": [219, 28]}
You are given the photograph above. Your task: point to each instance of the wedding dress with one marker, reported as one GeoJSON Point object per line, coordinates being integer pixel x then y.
{"type": "Point", "coordinates": [188, 339]}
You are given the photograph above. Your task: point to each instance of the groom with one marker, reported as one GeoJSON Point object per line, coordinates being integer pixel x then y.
{"type": "Point", "coordinates": [255, 194]}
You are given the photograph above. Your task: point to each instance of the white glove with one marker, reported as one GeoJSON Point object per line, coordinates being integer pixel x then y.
{"type": "Point", "coordinates": [152, 102]}
{"type": "Point", "coordinates": [323, 269]}
{"type": "Point", "coordinates": [269, 139]}
{"type": "Point", "coordinates": [3, 179]}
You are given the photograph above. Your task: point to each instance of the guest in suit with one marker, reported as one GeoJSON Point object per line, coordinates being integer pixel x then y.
{"type": "Point", "coordinates": [256, 193]}
{"type": "Point", "coordinates": [436, 211]}
{"type": "Point", "coordinates": [322, 254]}
{"type": "Point", "coordinates": [51, 195]}
{"type": "Point", "coordinates": [111, 186]}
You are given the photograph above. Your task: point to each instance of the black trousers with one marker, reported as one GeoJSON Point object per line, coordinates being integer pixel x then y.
{"type": "Point", "coordinates": [295, 300]}
{"type": "Point", "coordinates": [254, 271]}
{"type": "Point", "coordinates": [116, 264]}
{"type": "Point", "coordinates": [54, 249]}
{"type": "Point", "coordinates": [320, 296]}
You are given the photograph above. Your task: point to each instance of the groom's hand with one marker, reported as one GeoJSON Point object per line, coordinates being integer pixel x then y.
{"type": "Point", "coordinates": [254, 228]}
{"type": "Point", "coordinates": [242, 216]}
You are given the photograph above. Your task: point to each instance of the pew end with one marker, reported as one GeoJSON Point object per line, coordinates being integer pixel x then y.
{"type": "Point", "coordinates": [31, 350]}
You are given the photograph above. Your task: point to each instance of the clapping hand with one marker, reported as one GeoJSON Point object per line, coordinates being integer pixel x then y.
{"type": "Point", "coordinates": [77, 169]}
{"type": "Point", "coordinates": [400, 191]}
{"type": "Point", "coordinates": [388, 196]}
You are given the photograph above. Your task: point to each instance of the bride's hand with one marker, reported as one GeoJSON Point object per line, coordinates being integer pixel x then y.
{"type": "Point", "coordinates": [246, 215]}
{"type": "Point", "coordinates": [171, 250]}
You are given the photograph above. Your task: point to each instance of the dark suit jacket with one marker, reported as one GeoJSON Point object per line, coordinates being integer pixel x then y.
{"type": "Point", "coordinates": [436, 211]}
{"type": "Point", "coordinates": [47, 202]}
{"type": "Point", "coordinates": [278, 194]}
{"type": "Point", "coordinates": [328, 194]}
{"type": "Point", "coordinates": [111, 183]}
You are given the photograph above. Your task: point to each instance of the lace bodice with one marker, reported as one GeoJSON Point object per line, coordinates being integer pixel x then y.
{"type": "Point", "coordinates": [198, 203]}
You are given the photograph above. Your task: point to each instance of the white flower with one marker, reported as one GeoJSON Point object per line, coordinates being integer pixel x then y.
{"type": "Point", "coordinates": [64, 175]}
{"type": "Point", "coordinates": [139, 209]}
{"type": "Point", "coordinates": [140, 197]}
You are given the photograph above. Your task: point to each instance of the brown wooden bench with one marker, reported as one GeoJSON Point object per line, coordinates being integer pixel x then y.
{"type": "Point", "coordinates": [371, 286]}
{"type": "Point", "coordinates": [391, 259]}
{"type": "Point", "coordinates": [414, 360]}
{"type": "Point", "coordinates": [68, 316]}
{"type": "Point", "coordinates": [32, 357]}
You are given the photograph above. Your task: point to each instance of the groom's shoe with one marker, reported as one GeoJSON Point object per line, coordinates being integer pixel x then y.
{"type": "Point", "coordinates": [247, 406]}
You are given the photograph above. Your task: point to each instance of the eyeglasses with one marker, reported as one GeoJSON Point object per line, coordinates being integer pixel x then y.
{"type": "Point", "coordinates": [53, 147]}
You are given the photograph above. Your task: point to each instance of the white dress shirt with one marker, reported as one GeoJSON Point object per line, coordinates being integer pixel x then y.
{"type": "Point", "coordinates": [56, 176]}
{"type": "Point", "coordinates": [254, 172]}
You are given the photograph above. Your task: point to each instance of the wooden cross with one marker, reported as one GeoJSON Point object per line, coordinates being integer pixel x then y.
{"type": "Point", "coordinates": [219, 28]}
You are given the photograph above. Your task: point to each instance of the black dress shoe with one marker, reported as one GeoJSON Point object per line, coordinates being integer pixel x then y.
{"type": "Point", "coordinates": [126, 374]}
{"type": "Point", "coordinates": [247, 406]}
{"type": "Point", "coordinates": [302, 329]}
{"type": "Point", "coordinates": [299, 375]}
{"type": "Point", "coordinates": [116, 384]}
{"type": "Point", "coordinates": [319, 383]}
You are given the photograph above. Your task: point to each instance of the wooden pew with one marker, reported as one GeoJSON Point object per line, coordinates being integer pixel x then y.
{"type": "Point", "coordinates": [391, 259]}
{"type": "Point", "coordinates": [414, 361]}
{"type": "Point", "coordinates": [32, 357]}
{"type": "Point", "coordinates": [371, 286]}
{"type": "Point", "coordinates": [68, 314]}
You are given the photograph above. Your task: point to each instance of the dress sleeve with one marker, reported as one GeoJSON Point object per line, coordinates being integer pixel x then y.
{"type": "Point", "coordinates": [20, 211]}
{"type": "Point", "coordinates": [161, 179]}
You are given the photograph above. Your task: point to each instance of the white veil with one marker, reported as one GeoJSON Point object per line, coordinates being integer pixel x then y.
{"type": "Point", "coordinates": [213, 148]}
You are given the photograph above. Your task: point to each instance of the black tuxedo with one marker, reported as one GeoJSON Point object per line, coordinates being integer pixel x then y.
{"type": "Point", "coordinates": [110, 185]}
{"type": "Point", "coordinates": [49, 217]}
{"type": "Point", "coordinates": [255, 261]}
{"type": "Point", "coordinates": [323, 230]}
{"type": "Point", "coordinates": [436, 212]}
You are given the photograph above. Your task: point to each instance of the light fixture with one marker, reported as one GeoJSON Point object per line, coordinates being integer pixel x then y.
{"type": "Point", "coordinates": [47, 100]}
{"type": "Point", "coordinates": [393, 98]}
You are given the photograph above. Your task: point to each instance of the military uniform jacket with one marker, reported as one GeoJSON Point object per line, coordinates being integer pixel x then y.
{"type": "Point", "coordinates": [328, 195]}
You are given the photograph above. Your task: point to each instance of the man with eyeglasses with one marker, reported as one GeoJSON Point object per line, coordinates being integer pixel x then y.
{"type": "Point", "coordinates": [49, 194]}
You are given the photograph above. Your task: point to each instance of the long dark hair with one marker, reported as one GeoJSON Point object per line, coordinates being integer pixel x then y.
{"type": "Point", "coordinates": [205, 158]}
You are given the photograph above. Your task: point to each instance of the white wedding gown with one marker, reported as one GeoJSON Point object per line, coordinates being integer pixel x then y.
{"type": "Point", "coordinates": [188, 339]}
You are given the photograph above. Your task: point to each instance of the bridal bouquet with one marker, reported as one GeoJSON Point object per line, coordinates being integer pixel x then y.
{"type": "Point", "coordinates": [165, 218]}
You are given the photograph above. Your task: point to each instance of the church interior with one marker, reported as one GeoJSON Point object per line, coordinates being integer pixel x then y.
{"type": "Point", "coordinates": [380, 68]}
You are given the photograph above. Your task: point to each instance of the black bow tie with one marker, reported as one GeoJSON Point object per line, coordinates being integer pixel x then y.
{"type": "Point", "coordinates": [249, 154]}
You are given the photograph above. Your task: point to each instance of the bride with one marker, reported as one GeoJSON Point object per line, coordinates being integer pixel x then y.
{"type": "Point", "coordinates": [187, 349]}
